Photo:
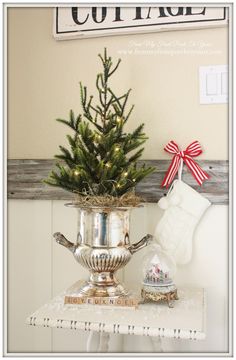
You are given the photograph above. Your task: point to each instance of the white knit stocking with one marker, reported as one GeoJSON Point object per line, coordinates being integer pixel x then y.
{"type": "Point", "coordinates": [183, 208]}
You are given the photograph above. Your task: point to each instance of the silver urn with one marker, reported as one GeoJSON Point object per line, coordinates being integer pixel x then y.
{"type": "Point", "coordinates": [102, 246]}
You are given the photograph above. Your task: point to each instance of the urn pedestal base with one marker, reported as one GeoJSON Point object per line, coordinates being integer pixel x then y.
{"type": "Point", "coordinates": [102, 285]}
{"type": "Point", "coordinates": [91, 290]}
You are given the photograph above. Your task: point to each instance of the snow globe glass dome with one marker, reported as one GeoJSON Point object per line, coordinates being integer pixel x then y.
{"type": "Point", "coordinates": [159, 269]}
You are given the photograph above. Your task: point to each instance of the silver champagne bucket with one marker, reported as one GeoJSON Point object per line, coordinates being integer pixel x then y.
{"type": "Point", "coordinates": [103, 246]}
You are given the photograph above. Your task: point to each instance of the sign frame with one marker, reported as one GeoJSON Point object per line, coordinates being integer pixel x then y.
{"type": "Point", "coordinates": [134, 29]}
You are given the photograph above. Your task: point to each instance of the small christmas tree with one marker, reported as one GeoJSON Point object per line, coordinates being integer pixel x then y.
{"type": "Point", "coordinates": [102, 159]}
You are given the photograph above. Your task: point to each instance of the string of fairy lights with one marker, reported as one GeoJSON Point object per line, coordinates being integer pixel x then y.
{"type": "Point", "coordinates": [108, 165]}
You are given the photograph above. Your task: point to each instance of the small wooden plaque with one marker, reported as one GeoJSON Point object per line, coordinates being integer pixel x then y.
{"type": "Point", "coordinates": [102, 301]}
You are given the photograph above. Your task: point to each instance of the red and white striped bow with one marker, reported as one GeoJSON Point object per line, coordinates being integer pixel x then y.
{"type": "Point", "coordinates": [194, 149]}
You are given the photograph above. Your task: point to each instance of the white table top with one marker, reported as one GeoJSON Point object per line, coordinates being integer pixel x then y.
{"type": "Point", "coordinates": [185, 321]}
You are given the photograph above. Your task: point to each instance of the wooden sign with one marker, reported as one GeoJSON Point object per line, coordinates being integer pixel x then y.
{"type": "Point", "coordinates": [94, 21]}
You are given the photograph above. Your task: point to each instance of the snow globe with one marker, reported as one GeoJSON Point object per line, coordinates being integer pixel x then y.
{"type": "Point", "coordinates": [158, 271]}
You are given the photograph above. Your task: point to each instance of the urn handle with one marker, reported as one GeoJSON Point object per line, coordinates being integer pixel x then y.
{"type": "Point", "coordinates": [140, 244]}
{"type": "Point", "coordinates": [60, 239]}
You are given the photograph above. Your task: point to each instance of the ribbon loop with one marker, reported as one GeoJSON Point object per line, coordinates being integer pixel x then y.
{"type": "Point", "coordinates": [192, 150]}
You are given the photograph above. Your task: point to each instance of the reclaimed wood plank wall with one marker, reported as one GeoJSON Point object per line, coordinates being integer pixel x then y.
{"type": "Point", "coordinates": [25, 181]}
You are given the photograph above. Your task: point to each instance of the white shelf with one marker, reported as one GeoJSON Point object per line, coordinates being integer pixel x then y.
{"type": "Point", "coordinates": [185, 321]}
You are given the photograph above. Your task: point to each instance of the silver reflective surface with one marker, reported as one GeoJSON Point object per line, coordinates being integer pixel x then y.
{"type": "Point", "coordinates": [103, 228]}
{"type": "Point", "coordinates": [103, 247]}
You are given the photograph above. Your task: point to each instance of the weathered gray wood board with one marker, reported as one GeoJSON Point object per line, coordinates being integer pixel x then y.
{"type": "Point", "coordinates": [25, 181]}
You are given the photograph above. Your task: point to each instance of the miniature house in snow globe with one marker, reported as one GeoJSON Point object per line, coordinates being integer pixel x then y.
{"type": "Point", "coordinates": [158, 271]}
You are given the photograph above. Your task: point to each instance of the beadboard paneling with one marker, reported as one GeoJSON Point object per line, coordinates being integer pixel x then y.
{"type": "Point", "coordinates": [29, 276]}
{"type": "Point", "coordinates": [25, 181]}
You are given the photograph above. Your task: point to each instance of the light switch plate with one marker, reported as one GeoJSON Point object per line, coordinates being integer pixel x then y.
{"type": "Point", "coordinates": [213, 82]}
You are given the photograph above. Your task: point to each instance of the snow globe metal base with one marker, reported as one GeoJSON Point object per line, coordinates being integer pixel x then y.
{"type": "Point", "coordinates": [166, 293]}
{"type": "Point", "coordinates": [158, 270]}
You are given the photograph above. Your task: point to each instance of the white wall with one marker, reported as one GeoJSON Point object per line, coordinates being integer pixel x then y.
{"type": "Point", "coordinates": [38, 269]}
{"type": "Point", "coordinates": [44, 76]}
